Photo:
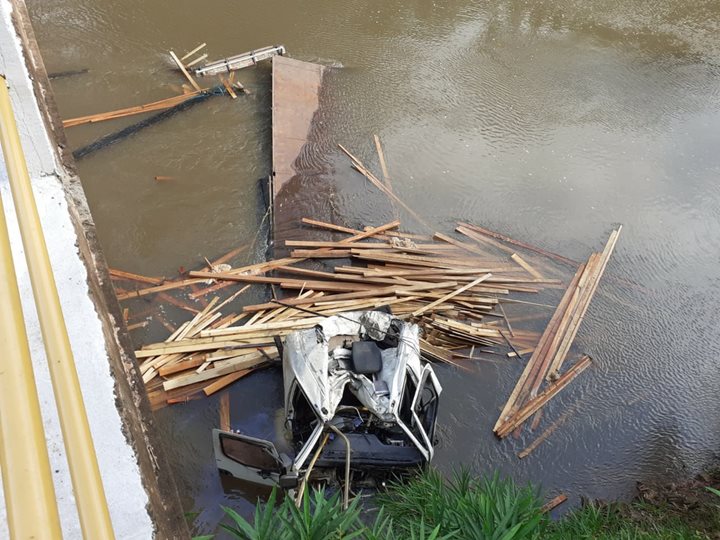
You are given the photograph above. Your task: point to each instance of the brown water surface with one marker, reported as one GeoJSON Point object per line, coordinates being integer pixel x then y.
{"type": "Point", "coordinates": [550, 121]}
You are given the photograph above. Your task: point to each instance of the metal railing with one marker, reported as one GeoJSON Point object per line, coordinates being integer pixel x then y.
{"type": "Point", "coordinates": [27, 479]}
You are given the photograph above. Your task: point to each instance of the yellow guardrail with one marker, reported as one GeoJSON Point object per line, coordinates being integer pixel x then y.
{"type": "Point", "coordinates": [27, 481]}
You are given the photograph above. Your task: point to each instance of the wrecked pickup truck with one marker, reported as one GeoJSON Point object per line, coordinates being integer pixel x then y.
{"type": "Point", "coordinates": [354, 381]}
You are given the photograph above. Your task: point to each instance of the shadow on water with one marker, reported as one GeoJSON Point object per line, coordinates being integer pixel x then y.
{"type": "Point", "coordinates": [548, 121]}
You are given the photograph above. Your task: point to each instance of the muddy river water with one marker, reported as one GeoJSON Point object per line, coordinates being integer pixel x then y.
{"type": "Point", "coordinates": [549, 121]}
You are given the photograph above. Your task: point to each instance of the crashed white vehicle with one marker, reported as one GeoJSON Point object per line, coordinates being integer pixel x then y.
{"type": "Point", "coordinates": [359, 379]}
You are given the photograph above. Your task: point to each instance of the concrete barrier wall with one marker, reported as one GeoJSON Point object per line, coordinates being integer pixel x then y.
{"type": "Point", "coordinates": [141, 492]}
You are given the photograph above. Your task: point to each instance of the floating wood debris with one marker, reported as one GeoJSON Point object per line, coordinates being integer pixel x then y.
{"type": "Point", "coordinates": [159, 105]}
{"type": "Point", "coordinates": [553, 347]}
{"type": "Point", "coordinates": [240, 61]}
{"type": "Point", "coordinates": [117, 136]}
{"type": "Point", "coordinates": [553, 503]}
{"type": "Point", "coordinates": [184, 71]}
{"type": "Point", "coordinates": [194, 51]}
{"type": "Point", "coordinates": [184, 102]}
{"type": "Point", "coordinates": [452, 288]}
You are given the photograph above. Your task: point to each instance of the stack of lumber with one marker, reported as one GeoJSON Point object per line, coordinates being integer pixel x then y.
{"type": "Point", "coordinates": [459, 289]}
{"type": "Point", "coordinates": [187, 363]}
{"type": "Point", "coordinates": [445, 285]}
{"type": "Point", "coordinates": [554, 344]}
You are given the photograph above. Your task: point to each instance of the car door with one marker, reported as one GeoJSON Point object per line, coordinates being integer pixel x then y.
{"type": "Point", "coordinates": [424, 405]}
{"type": "Point", "coordinates": [247, 458]}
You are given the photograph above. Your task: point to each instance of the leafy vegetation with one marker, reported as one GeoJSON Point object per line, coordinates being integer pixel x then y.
{"type": "Point", "coordinates": [319, 517]}
{"type": "Point", "coordinates": [636, 521]}
{"type": "Point", "coordinates": [428, 507]}
{"type": "Point", "coordinates": [474, 509]}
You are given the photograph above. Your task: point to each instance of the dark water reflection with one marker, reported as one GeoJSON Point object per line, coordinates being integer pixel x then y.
{"type": "Point", "coordinates": [550, 122]}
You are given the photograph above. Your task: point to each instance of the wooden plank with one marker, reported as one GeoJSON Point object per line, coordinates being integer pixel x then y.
{"type": "Point", "coordinates": [315, 244]}
{"type": "Point", "coordinates": [195, 50]}
{"type": "Point", "coordinates": [247, 329]}
{"type": "Point", "coordinates": [301, 254]}
{"type": "Point", "coordinates": [191, 362]}
{"type": "Point", "coordinates": [194, 346]}
{"type": "Point", "coordinates": [239, 364]}
{"type": "Point", "coordinates": [462, 245]}
{"type": "Point", "coordinates": [287, 283]}
{"type": "Point", "coordinates": [184, 71]}
{"type": "Point", "coordinates": [224, 382]}
{"type": "Point", "coordinates": [343, 277]}
{"type": "Point", "coordinates": [165, 297]}
{"type": "Point", "coordinates": [329, 226]}
{"type": "Point", "coordinates": [545, 434]}
{"type": "Point", "coordinates": [427, 273]}
{"type": "Point", "coordinates": [348, 230]}
{"type": "Point", "coordinates": [554, 503]}
{"type": "Point", "coordinates": [385, 291]}
{"type": "Point", "coordinates": [465, 328]}
{"type": "Point", "coordinates": [326, 286]}
{"type": "Point", "coordinates": [374, 231]}
{"type": "Point", "coordinates": [530, 270]}
{"type": "Point", "coordinates": [357, 165]}
{"type": "Point", "coordinates": [410, 260]}
{"type": "Point", "coordinates": [168, 286]}
{"type": "Point", "coordinates": [474, 235]}
{"type": "Point", "coordinates": [165, 345]}
{"type": "Point", "coordinates": [230, 255]}
{"type": "Point", "coordinates": [197, 61]}
{"type": "Point", "coordinates": [439, 354]}
{"type": "Point", "coordinates": [136, 326]}
{"type": "Point", "coordinates": [165, 103]}
{"type": "Point", "coordinates": [451, 295]}
{"type": "Point", "coordinates": [579, 316]}
{"type": "Point", "coordinates": [486, 302]}
{"type": "Point", "coordinates": [528, 373]}
{"type": "Point", "coordinates": [224, 409]}
{"type": "Point", "coordinates": [383, 165]}
{"type": "Point", "coordinates": [121, 274]}
{"type": "Point", "coordinates": [228, 88]}
{"type": "Point", "coordinates": [521, 244]}
{"type": "Point", "coordinates": [563, 327]}
{"type": "Point", "coordinates": [537, 403]}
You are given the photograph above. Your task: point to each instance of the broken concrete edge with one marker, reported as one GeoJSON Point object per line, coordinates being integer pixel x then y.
{"type": "Point", "coordinates": [133, 405]}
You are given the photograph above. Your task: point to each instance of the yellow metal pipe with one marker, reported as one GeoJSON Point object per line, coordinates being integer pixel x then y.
{"type": "Point", "coordinates": [26, 475]}
{"type": "Point", "coordinates": [79, 448]}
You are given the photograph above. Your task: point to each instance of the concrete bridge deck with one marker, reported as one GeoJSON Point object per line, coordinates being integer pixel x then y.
{"type": "Point", "coordinates": [143, 503]}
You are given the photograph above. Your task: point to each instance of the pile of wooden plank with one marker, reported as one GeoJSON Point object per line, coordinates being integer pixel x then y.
{"type": "Point", "coordinates": [554, 345]}
{"type": "Point", "coordinates": [471, 293]}
{"type": "Point", "coordinates": [457, 288]}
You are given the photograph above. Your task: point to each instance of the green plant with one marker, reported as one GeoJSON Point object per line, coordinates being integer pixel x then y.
{"type": "Point", "coordinates": [382, 529]}
{"type": "Point", "coordinates": [264, 526]}
{"type": "Point", "coordinates": [429, 508]}
{"type": "Point", "coordinates": [618, 521]}
{"type": "Point", "coordinates": [485, 509]}
{"type": "Point", "coordinates": [318, 518]}
{"type": "Point", "coordinates": [322, 518]}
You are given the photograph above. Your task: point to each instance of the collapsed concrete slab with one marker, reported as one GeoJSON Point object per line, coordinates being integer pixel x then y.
{"type": "Point", "coordinates": [296, 87]}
